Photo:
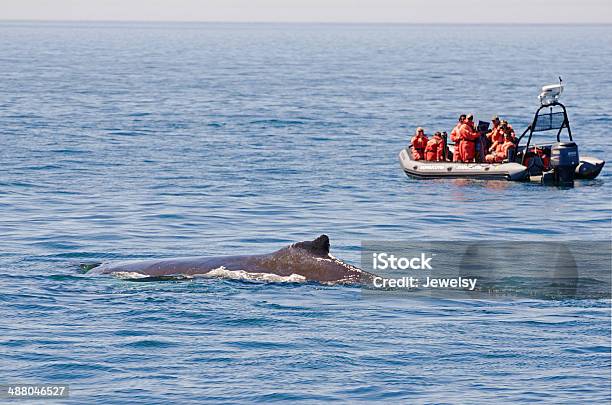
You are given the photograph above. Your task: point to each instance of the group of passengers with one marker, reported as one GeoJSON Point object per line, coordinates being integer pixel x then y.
{"type": "Point", "coordinates": [424, 148]}
{"type": "Point", "coordinates": [470, 145]}
{"type": "Point", "coordinates": [501, 140]}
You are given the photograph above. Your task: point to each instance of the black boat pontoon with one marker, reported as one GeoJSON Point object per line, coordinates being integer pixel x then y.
{"type": "Point", "coordinates": [525, 164]}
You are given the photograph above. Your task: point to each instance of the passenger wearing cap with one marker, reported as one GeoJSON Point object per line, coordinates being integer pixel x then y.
{"type": "Point", "coordinates": [499, 151]}
{"type": "Point", "coordinates": [434, 151]}
{"type": "Point", "coordinates": [454, 136]}
{"type": "Point", "coordinates": [495, 121]}
{"type": "Point", "coordinates": [419, 143]}
{"type": "Point", "coordinates": [495, 134]}
{"type": "Point", "coordinates": [468, 136]}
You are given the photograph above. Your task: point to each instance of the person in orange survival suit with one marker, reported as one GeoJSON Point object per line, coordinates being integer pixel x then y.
{"type": "Point", "coordinates": [419, 143]}
{"type": "Point", "coordinates": [508, 128]}
{"type": "Point", "coordinates": [468, 136]}
{"type": "Point", "coordinates": [495, 134]}
{"type": "Point", "coordinates": [454, 136]}
{"type": "Point", "coordinates": [499, 150]}
{"type": "Point", "coordinates": [434, 151]}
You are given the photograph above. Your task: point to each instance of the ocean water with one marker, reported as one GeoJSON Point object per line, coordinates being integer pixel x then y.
{"type": "Point", "coordinates": [129, 141]}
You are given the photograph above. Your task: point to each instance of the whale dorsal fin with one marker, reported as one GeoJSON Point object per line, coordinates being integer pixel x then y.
{"type": "Point", "coordinates": [318, 247]}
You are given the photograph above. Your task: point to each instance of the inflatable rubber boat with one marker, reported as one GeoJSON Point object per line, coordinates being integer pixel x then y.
{"type": "Point", "coordinates": [563, 166]}
{"type": "Point", "coordinates": [483, 171]}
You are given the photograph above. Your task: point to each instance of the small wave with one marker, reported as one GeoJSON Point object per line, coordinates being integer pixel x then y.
{"type": "Point", "coordinates": [130, 133]}
{"type": "Point", "coordinates": [319, 138]}
{"type": "Point", "coordinates": [65, 277]}
{"type": "Point", "coordinates": [149, 343]}
{"type": "Point", "coordinates": [21, 116]}
{"type": "Point", "coordinates": [67, 151]}
{"type": "Point", "coordinates": [277, 122]}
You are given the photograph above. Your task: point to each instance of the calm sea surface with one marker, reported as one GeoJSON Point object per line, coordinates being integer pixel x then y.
{"type": "Point", "coordinates": [161, 140]}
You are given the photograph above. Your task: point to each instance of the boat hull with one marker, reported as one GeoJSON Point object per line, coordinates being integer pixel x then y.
{"type": "Point", "coordinates": [444, 170]}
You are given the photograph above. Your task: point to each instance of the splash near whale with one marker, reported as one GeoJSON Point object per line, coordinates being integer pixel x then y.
{"type": "Point", "coordinates": [299, 262]}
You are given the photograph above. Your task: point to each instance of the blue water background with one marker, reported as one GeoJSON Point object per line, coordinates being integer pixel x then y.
{"type": "Point", "coordinates": [127, 141]}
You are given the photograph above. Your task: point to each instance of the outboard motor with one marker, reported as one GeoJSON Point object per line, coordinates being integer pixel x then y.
{"type": "Point", "coordinates": [563, 161]}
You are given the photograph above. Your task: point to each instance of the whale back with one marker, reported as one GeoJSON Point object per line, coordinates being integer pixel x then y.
{"type": "Point", "coordinates": [309, 259]}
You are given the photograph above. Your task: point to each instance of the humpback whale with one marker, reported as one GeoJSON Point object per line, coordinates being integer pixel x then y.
{"type": "Point", "coordinates": [301, 261]}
